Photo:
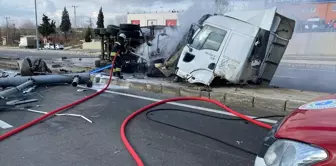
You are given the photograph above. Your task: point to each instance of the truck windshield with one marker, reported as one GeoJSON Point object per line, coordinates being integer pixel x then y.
{"type": "Point", "coordinates": [208, 38]}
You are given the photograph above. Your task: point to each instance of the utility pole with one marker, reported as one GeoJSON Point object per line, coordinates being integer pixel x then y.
{"type": "Point", "coordinates": [7, 29]}
{"type": "Point", "coordinates": [74, 6]}
{"type": "Point", "coordinates": [13, 34]}
{"type": "Point", "coordinates": [37, 38]}
{"type": "Point", "coordinates": [75, 15]}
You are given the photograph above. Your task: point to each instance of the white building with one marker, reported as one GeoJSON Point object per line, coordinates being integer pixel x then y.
{"type": "Point", "coordinates": [171, 18]}
{"type": "Point", "coordinates": [147, 19]}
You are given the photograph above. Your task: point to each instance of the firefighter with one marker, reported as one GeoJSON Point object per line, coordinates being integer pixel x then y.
{"type": "Point", "coordinates": [119, 46]}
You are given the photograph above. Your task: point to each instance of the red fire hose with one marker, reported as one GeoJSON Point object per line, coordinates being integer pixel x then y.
{"type": "Point", "coordinates": [130, 117]}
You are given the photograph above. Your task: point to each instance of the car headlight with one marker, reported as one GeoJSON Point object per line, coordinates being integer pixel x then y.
{"type": "Point", "coordinates": [292, 153]}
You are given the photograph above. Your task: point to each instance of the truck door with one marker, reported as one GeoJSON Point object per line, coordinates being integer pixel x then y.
{"type": "Point", "coordinates": [199, 59]}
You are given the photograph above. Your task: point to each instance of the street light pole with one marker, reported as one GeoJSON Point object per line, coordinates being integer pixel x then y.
{"type": "Point", "coordinates": [75, 15]}
{"type": "Point", "coordinates": [37, 38]}
{"type": "Point", "coordinates": [7, 29]}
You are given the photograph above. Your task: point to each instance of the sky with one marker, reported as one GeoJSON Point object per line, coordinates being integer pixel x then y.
{"type": "Point", "coordinates": [20, 11]}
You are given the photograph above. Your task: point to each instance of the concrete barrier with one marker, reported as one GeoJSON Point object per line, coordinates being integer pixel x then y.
{"type": "Point", "coordinates": [318, 43]}
{"type": "Point", "coordinates": [274, 100]}
{"type": "Point", "coordinates": [92, 45]}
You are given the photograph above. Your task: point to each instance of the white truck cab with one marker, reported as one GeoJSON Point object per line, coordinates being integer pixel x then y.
{"type": "Point", "coordinates": [237, 46]}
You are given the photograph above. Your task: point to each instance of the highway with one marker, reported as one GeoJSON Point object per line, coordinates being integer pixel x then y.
{"type": "Point", "coordinates": [304, 78]}
{"type": "Point", "coordinates": [168, 135]}
{"type": "Point", "coordinates": [310, 77]}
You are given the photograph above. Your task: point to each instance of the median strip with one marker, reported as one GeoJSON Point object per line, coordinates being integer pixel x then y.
{"type": "Point", "coordinates": [274, 100]}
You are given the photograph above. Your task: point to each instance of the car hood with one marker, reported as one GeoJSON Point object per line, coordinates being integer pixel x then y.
{"type": "Point", "coordinates": [313, 123]}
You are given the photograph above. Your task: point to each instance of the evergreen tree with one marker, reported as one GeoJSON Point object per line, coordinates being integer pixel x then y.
{"type": "Point", "coordinates": [65, 23]}
{"type": "Point", "coordinates": [100, 19]}
{"type": "Point", "coordinates": [47, 28]}
{"type": "Point", "coordinates": [88, 34]}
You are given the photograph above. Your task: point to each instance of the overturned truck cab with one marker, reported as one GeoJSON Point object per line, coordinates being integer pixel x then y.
{"type": "Point", "coordinates": [240, 47]}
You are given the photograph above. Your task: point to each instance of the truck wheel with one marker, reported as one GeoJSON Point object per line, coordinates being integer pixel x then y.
{"type": "Point", "coordinates": [129, 27]}
{"type": "Point", "coordinates": [97, 63]}
{"type": "Point", "coordinates": [132, 34]}
{"type": "Point", "coordinates": [103, 63]}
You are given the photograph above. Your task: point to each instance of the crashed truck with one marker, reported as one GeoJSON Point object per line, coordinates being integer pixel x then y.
{"type": "Point", "coordinates": [238, 47]}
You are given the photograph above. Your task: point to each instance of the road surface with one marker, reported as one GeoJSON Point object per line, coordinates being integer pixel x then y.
{"type": "Point", "coordinates": [65, 140]}
{"type": "Point", "coordinates": [320, 79]}
{"type": "Point", "coordinates": [307, 77]}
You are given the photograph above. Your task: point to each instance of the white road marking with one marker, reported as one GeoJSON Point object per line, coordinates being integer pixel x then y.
{"type": "Point", "coordinates": [5, 125]}
{"type": "Point", "coordinates": [183, 105]}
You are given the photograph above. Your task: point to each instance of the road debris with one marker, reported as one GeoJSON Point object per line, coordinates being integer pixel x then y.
{"type": "Point", "coordinates": [18, 102]}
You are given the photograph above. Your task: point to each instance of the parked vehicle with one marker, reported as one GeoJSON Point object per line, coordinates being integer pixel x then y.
{"type": "Point", "coordinates": [59, 46]}
{"type": "Point", "coordinates": [315, 25]}
{"type": "Point", "coordinates": [52, 46]}
{"type": "Point", "coordinates": [49, 46]}
{"type": "Point", "coordinates": [27, 42]}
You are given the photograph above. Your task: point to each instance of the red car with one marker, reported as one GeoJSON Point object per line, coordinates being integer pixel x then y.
{"type": "Point", "coordinates": [306, 137]}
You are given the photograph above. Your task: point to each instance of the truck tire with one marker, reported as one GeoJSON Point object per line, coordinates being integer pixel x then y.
{"type": "Point", "coordinates": [97, 63]}
{"type": "Point", "coordinates": [131, 34]}
{"type": "Point", "coordinates": [112, 30]}
{"type": "Point", "coordinates": [129, 27]}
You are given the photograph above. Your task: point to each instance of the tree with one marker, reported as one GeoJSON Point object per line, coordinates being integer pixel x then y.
{"type": "Point", "coordinates": [100, 19]}
{"type": "Point", "coordinates": [47, 28]}
{"type": "Point", "coordinates": [88, 34]}
{"type": "Point", "coordinates": [65, 23]}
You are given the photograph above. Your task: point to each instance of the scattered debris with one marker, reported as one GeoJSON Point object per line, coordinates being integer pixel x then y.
{"type": "Point", "coordinates": [81, 90]}
{"type": "Point", "coordinates": [29, 90]}
{"type": "Point", "coordinates": [4, 94]}
{"type": "Point", "coordinates": [33, 66]}
{"type": "Point", "coordinates": [18, 102]}
{"type": "Point", "coordinates": [46, 79]}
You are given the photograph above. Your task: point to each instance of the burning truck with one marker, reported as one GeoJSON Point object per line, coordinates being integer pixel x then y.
{"type": "Point", "coordinates": [238, 47]}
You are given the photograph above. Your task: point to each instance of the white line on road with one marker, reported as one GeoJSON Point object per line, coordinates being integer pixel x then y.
{"type": "Point", "coordinates": [183, 105]}
{"type": "Point", "coordinates": [5, 125]}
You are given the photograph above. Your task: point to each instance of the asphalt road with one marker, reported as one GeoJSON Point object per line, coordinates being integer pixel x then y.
{"type": "Point", "coordinates": [65, 140]}
{"type": "Point", "coordinates": [307, 77]}
{"type": "Point", "coordinates": [320, 79]}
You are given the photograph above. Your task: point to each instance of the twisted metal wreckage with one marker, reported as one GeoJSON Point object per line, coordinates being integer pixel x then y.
{"type": "Point", "coordinates": [34, 72]}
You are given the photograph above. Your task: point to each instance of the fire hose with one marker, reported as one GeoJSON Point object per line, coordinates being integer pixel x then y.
{"type": "Point", "coordinates": [124, 139]}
